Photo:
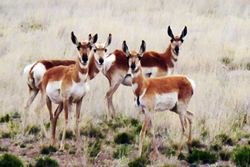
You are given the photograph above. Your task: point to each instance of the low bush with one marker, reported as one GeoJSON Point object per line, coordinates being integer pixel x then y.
{"type": "Point", "coordinates": [48, 150]}
{"type": "Point", "coordinates": [68, 135]}
{"type": "Point", "coordinates": [46, 162]}
{"type": "Point", "coordinates": [34, 130]}
{"type": "Point", "coordinates": [225, 155]}
{"type": "Point", "coordinates": [95, 148]}
{"type": "Point", "coordinates": [10, 160]}
{"type": "Point", "coordinates": [5, 118]}
{"type": "Point", "coordinates": [122, 151]}
{"type": "Point", "coordinates": [22, 145]}
{"type": "Point", "coordinates": [72, 151]}
{"type": "Point", "coordinates": [136, 163]}
{"type": "Point", "coordinates": [93, 132]}
{"type": "Point", "coordinates": [124, 138]}
{"type": "Point", "coordinates": [199, 156]}
{"type": "Point", "coordinates": [241, 156]}
{"type": "Point", "coordinates": [216, 147]}
{"type": "Point", "coordinates": [15, 114]}
{"type": "Point", "coordinates": [225, 139]}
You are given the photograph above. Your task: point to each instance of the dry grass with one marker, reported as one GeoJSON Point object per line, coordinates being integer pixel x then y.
{"type": "Point", "coordinates": [33, 30]}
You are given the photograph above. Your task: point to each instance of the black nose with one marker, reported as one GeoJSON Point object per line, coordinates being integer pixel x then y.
{"type": "Point", "coordinates": [85, 58]}
{"type": "Point", "coordinates": [176, 49]}
{"type": "Point", "coordinates": [101, 61]}
{"type": "Point", "coordinates": [133, 66]}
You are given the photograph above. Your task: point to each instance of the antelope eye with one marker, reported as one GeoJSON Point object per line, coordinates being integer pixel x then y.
{"type": "Point", "coordinates": [94, 50]}
{"type": "Point", "coordinates": [172, 40]}
{"type": "Point", "coordinates": [105, 50]}
{"type": "Point", "coordinates": [78, 48]}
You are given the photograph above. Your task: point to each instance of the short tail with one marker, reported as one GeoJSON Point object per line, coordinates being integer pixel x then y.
{"type": "Point", "coordinates": [192, 83]}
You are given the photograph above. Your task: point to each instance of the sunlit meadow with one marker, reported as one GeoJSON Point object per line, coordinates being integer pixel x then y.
{"type": "Point", "coordinates": [215, 54]}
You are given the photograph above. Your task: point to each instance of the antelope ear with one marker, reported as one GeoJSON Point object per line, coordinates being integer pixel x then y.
{"type": "Point", "coordinates": [90, 37]}
{"type": "Point", "coordinates": [142, 49]}
{"type": "Point", "coordinates": [74, 39]}
{"type": "Point", "coordinates": [93, 40]}
{"type": "Point", "coordinates": [108, 40]}
{"type": "Point", "coordinates": [170, 33]}
{"type": "Point", "coordinates": [125, 48]}
{"type": "Point", "coordinates": [184, 32]}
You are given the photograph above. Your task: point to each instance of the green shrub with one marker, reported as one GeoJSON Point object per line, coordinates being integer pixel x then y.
{"type": "Point", "coordinates": [68, 135]}
{"type": "Point", "coordinates": [34, 130]}
{"type": "Point", "coordinates": [47, 126]}
{"type": "Point", "coordinates": [224, 155]}
{"type": "Point", "coordinates": [4, 148]}
{"type": "Point", "coordinates": [5, 118]}
{"type": "Point", "coordinates": [134, 122]}
{"type": "Point", "coordinates": [15, 114]}
{"type": "Point", "coordinates": [124, 138]}
{"type": "Point", "coordinates": [225, 139]}
{"type": "Point", "coordinates": [46, 162]}
{"type": "Point", "coordinates": [10, 160]}
{"type": "Point", "coordinates": [204, 134]}
{"type": "Point", "coordinates": [66, 146]}
{"type": "Point", "coordinates": [95, 148]}
{"type": "Point", "coordinates": [136, 163]}
{"type": "Point", "coordinates": [7, 135]}
{"type": "Point", "coordinates": [226, 60]}
{"type": "Point", "coordinates": [216, 147]}
{"type": "Point", "coordinates": [196, 143]}
{"type": "Point", "coordinates": [199, 156]}
{"type": "Point", "coordinates": [168, 152]}
{"type": "Point", "coordinates": [72, 151]}
{"type": "Point", "coordinates": [241, 156]}
{"type": "Point", "coordinates": [48, 150]}
{"type": "Point", "coordinates": [122, 151]}
{"type": "Point", "coordinates": [22, 145]}
{"type": "Point", "coordinates": [93, 132]}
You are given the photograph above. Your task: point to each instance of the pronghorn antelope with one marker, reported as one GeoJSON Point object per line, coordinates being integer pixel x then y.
{"type": "Point", "coordinates": [159, 94]}
{"type": "Point", "coordinates": [34, 74]}
{"type": "Point", "coordinates": [153, 65]}
{"type": "Point", "coordinates": [65, 85]}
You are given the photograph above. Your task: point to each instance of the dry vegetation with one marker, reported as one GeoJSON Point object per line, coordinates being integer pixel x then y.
{"type": "Point", "coordinates": [215, 54]}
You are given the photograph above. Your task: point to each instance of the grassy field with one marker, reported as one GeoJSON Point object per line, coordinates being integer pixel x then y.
{"type": "Point", "coordinates": [215, 54]}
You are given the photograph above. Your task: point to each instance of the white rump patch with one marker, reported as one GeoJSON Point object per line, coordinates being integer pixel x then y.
{"type": "Point", "coordinates": [192, 83]}
{"type": "Point", "coordinates": [166, 101]}
{"type": "Point", "coordinates": [26, 69]}
{"type": "Point", "coordinates": [108, 63]}
{"type": "Point", "coordinates": [38, 72]}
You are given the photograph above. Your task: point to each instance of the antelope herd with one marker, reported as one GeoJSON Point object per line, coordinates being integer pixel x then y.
{"type": "Point", "coordinates": [65, 82]}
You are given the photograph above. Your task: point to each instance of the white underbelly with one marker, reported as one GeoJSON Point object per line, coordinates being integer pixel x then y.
{"type": "Point", "coordinates": [78, 91]}
{"type": "Point", "coordinates": [53, 91]}
{"type": "Point", "coordinates": [166, 101]}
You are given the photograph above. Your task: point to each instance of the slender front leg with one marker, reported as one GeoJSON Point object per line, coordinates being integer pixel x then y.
{"type": "Point", "coordinates": [190, 117]}
{"type": "Point", "coordinates": [143, 131]}
{"type": "Point", "coordinates": [182, 134]}
{"type": "Point", "coordinates": [53, 123]}
{"type": "Point", "coordinates": [113, 86]}
{"type": "Point", "coordinates": [66, 110]}
{"type": "Point", "coordinates": [32, 94]}
{"type": "Point", "coordinates": [78, 110]}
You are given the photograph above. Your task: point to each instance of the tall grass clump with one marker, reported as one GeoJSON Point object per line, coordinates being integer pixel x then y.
{"type": "Point", "coordinates": [198, 156]}
{"type": "Point", "coordinates": [124, 138]}
{"type": "Point", "coordinates": [122, 151]}
{"type": "Point", "coordinates": [46, 162]}
{"type": "Point", "coordinates": [241, 156]}
{"type": "Point", "coordinates": [10, 160]}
